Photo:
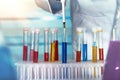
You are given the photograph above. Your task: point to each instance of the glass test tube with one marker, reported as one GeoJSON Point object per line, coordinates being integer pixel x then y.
{"type": "Point", "coordinates": [64, 47]}
{"type": "Point", "coordinates": [52, 47]}
{"type": "Point", "coordinates": [36, 43]}
{"type": "Point", "coordinates": [84, 47]}
{"type": "Point", "coordinates": [25, 44]}
{"type": "Point", "coordinates": [94, 46]}
{"type": "Point", "coordinates": [32, 36]}
{"type": "Point", "coordinates": [79, 42]}
{"type": "Point", "coordinates": [46, 44]}
{"type": "Point", "coordinates": [56, 44]}
{"type": "Point", "coordinates": [100, 44]}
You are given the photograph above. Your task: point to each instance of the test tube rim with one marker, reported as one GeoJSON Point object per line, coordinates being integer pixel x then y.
{"type": "Point", "coordinates": [100, 29]}
{"type": "Point", "coordinates": [26, 29]}
{"type": "Point", "coordinates": [46, 29]}
{"type": "Point", "coordinates": [79, 30]}
{"type": "Point", "coordinates": [37, 30]}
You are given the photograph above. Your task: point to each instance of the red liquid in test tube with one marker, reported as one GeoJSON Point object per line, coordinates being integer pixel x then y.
{"type": "Point", "coordinates": [79, 43]}
{"type": "Point", "coordinates": [78, 56]}
{"type": "Point", "coordinates": [46, 56]}
{"type": "Point", "coordinates": [36, 46]}
{"type": "Point", "coordinates": [46, 45]}
{"type": "Point", "coordinates": [100, 43]}
{"type": "Point", "coordinates": [56, 44]}
{"type": "Point", "coordinates": [32, 36]}
{"type": "Point", "coordinates": [101, 56]}
{"type": "Point", "coordinates": [25, 51]}
{"type": "Point", "coordinates": [35, 57]}
{"type": "Point", "coordinates": [56, 50]}
{"type": "Point", "coordinates": [25, 44]}
{"type": "Point", "coordinates": [31, 54]}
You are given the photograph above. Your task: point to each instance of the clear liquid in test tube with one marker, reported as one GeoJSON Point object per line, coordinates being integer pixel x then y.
{"type": "Point", "coordinates": [25, 44]}
{"type": "Point", "coordinates": [100, 44]}
{"type": "Point", "coordinates": [46, 44]}
{"type": "Point", "coordinates": [32, 38]}
{"type": "Point", "coordinates": [36, 49]}
{"type": "Point", "coordinates": [79, 44]}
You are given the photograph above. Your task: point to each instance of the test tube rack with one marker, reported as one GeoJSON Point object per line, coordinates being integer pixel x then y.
{"type": "Point", "coordinates": [59, 71]}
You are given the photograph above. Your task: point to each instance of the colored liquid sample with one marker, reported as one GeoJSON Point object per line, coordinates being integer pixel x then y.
{"type": "Point", "coordinates": [46, 56]}
{"type": "Point", "coordinates": [94, 72]}
{"type": "Point", "coordinates": [112, 63]}
{"type": "Point", "coordinates": [64, 52]}
{"type": "Point", "coordinates": [31, 54]}
{"type": "Point", "coordinates": [52, 52]}
{"type": "Point", "coordinates": [101, 54]}
{"type": "Point", "coordinates": [84, 52]}
{"type": "Point", "coordinates": [25, 51]}
{"type": "Point", "coordinates": [94, 53]}
{"type": "Point", "coordinates": [78, 56]}
{"type": "Point", "coordinates": [35, 57]}
{"type": "Point", "coordinates": [56, 50]}
{"type": "Point", "coordinates": [102, 70]}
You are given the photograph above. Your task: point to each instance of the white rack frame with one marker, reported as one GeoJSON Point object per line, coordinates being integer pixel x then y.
{"type": "Point", "coordinates": [59, 71]}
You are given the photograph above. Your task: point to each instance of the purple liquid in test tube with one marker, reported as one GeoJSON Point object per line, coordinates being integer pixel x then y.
{"type": "Point", "coordinates": [112, 64]}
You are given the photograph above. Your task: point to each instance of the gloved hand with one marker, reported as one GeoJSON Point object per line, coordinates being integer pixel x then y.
{"type": "Point", "coordinates": [53, 6]}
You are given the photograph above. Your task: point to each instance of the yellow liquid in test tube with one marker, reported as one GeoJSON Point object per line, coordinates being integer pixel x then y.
{"type": "Point", "coordinates": [94, 72]}
{"type": "Point", "coordinates": [52, 52]}
{"type": "Point", "coordinates": [94, 53]}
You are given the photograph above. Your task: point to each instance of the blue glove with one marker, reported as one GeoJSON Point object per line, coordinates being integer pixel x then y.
{"type": "Point", "coordinates": [7, 69]}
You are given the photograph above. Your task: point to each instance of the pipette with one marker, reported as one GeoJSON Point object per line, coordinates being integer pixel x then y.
{"type": "Point", "coordinates": [46, 44]}
{"type": "Point", "coordinates": [25, 44]}
{"type": "Point", "coordinates": [100, 44]}
{"type": "Point", "coordinates": [79, 43]}
{"type": "Point", "coordinates": [64, 43]}
{"type": "Point", "coordinates": [36, 43]}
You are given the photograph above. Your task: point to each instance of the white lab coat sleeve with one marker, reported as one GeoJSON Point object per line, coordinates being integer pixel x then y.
{"type": "Point", "coordinates": [92, 14]}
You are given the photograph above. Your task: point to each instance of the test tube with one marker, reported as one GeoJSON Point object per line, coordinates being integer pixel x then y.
{"type": "Point", "coordinates": [56, 44]}
{"type": "Point", "coordinates": [52, 47]}
{"type": "Point", "coordinates": [64, 47]}
{"type": "Point", "coordinates": [46, 44]}
{"type": "Point", "coordinates": [36, 43]}
{"type": "Point", "coordinates": [79, 43]}
{"type": "Point", "coordinates": [100, 44]}
{"type": "Point", "coordinates": [25, 44]}
{"type": "Point", "coordinates": [84, 47]}
{"type": "Point", "coordinates": [94, 46]}
{"type": "Point", "coordinates": [32, 36]}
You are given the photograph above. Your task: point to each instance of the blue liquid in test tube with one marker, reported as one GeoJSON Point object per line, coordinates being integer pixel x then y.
{"type": "Point", "coordinates": [84, 52]}
{"type": "Point", "coordinates": [64, 52]}
{"type": "Point", "coordinates": [64, 48]}
{"type": "Point", "coordinates": [84, 46]}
